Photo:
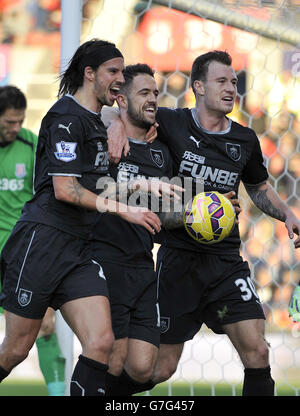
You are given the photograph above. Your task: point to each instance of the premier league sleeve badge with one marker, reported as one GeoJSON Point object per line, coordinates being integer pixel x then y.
{"type": "Point", "coordinates": [65, 151]}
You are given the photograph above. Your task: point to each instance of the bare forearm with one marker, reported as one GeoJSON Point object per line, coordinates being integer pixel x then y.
{"type": "Point", "coordinates": [268, 201]}
{"type": "Point", "coordinates": [117, 191]}
{"type": "Point", "coordinates": [69, 190]}
{"type": "Point", "coordinates": [122, 191]}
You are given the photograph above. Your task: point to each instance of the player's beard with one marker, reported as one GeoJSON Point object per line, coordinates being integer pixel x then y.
{"type": "Point", "coordinates": [103, 94]}
{"type": "Point", "coordinates": [137, 119]}
{"type": "Point", "coordinates": [3, 138]}
{"type": "Point", "coordinates": [103, 99]}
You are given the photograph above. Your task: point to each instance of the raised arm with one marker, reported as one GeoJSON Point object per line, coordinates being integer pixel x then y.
{"type": "Point", "coordinates": [117, 138]}
{"type": "Point", "coordinates": [268, 201]}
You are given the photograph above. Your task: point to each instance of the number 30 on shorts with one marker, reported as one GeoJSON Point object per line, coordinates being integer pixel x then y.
{"type": "Point", "coordinates": [247, 288]}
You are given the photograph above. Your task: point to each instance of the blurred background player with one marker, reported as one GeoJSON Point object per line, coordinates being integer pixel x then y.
{"type": "Point", "coordinates": [17, 156]}
{"type": "Point", "coordinates": [124, 250]}
{"type": "Point", "coordinates": [294, 305]}
{"type": "Point", "coordinates": [211, 284]}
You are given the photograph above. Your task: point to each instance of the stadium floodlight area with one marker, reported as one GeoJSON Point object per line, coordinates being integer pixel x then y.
{"type": "Point", "coordinates": [262, 36]}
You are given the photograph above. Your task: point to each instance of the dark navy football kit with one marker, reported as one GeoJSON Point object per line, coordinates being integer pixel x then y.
{"type": "Point", "coordinates": [201, 283]}
{"type": "Point", "coordinates": [124, 250]}
{"type": "Point", "coordinates": [47, 259]}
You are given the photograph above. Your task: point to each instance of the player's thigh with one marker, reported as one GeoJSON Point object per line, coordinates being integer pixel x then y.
{"type": "Point", "coordinates": [20, 335]}
{"type": "Point", "coordinates": [233, 298]}
{"type": "Point", "coordinates": [48, 325]}
{"type": "Point", "coordinates": [248, 337]}
{"type": "Point", "coordinates": [118, 356]}
{"type": "Point", "coordinates": [89, 318]}
{"type": "Point", "coordinates": [167, 361]}
{"type": "Point", "coordinates": [141, 358]}
{"type": "Point", "coordinates": [246, 334]}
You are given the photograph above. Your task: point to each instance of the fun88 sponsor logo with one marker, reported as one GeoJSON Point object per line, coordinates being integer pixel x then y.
{"type": "Point", "coordinates": [208, 173]}
{"type": "Point", "coordinates": [127, 172]}
{"type": "Point", "coordinates": [127, 167]}
{"type": "Point", "coordinates": [11, 184]}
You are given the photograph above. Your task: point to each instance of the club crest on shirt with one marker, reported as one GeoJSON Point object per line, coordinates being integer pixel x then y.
{"type": "Point", "coordinates": [20, 170]}
{"type": "Point", "coordinates": [24, 297]}
{"type": "Point", "coordinates": [157, 157]}
{"type": "Point", "coordinates": [65, 151]}
{"type": "Point", "coordinates": [164, 324]}
{"type": "Point", "coordinates": [233, 151]}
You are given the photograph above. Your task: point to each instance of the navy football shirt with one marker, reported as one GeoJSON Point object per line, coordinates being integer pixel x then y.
{"type": "Point", "coordinates": [115, 239]}
{"type": "Point", "coordinates": [72, 142]}
{"type": "Point", "coordinates": [219, 159]}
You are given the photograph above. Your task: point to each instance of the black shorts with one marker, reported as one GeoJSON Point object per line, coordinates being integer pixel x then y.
{"type": "Point", "coordinates": [133, 302]}
{"type": "Point", "coordinates": [197, 288]}
{"type": "Point", "coordinates": [42, 266]}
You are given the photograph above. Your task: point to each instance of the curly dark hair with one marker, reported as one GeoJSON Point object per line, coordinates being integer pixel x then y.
{"type": "Point", "coordinates": [131, 71]}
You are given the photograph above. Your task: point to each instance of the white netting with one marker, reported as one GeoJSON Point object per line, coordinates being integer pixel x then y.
{"type": "Point", "coordinates": [262, 37]}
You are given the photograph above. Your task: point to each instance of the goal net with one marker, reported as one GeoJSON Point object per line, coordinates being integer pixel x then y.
{"type": "Point", "coordinates": [262, 37]}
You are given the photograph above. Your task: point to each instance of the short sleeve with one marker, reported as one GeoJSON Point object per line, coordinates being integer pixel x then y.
{"type": "Point", "coordinates": [166, 118]}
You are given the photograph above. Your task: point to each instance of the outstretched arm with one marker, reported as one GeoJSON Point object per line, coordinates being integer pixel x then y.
{"type": "Point", "coordinates": [268, 201]}
{"type": "Point", "coordinates": [121, 191]}
{"type": "Point", "coordinates": [174, 219]}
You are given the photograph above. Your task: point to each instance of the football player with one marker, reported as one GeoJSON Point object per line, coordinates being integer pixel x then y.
{"type": "Point", "coordinates": [211, 284]}
{"type": "Point", "coordinates": [17, 156]}
{"type": "Point", "coordinates": [125, 250]}
{"type": "Point", "coordinates": [47, 260]}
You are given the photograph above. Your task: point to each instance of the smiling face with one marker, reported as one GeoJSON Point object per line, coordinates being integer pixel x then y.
{"type": "Point", "coordinates": [142, 101]}
{"type": "Point", "coordinates": [108, 79]}
{"type": "Point", "coordinates": [219, 90]}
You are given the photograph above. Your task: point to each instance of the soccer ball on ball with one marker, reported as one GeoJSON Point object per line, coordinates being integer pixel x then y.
{"type": "Point", "coordinates": [209, 217]}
